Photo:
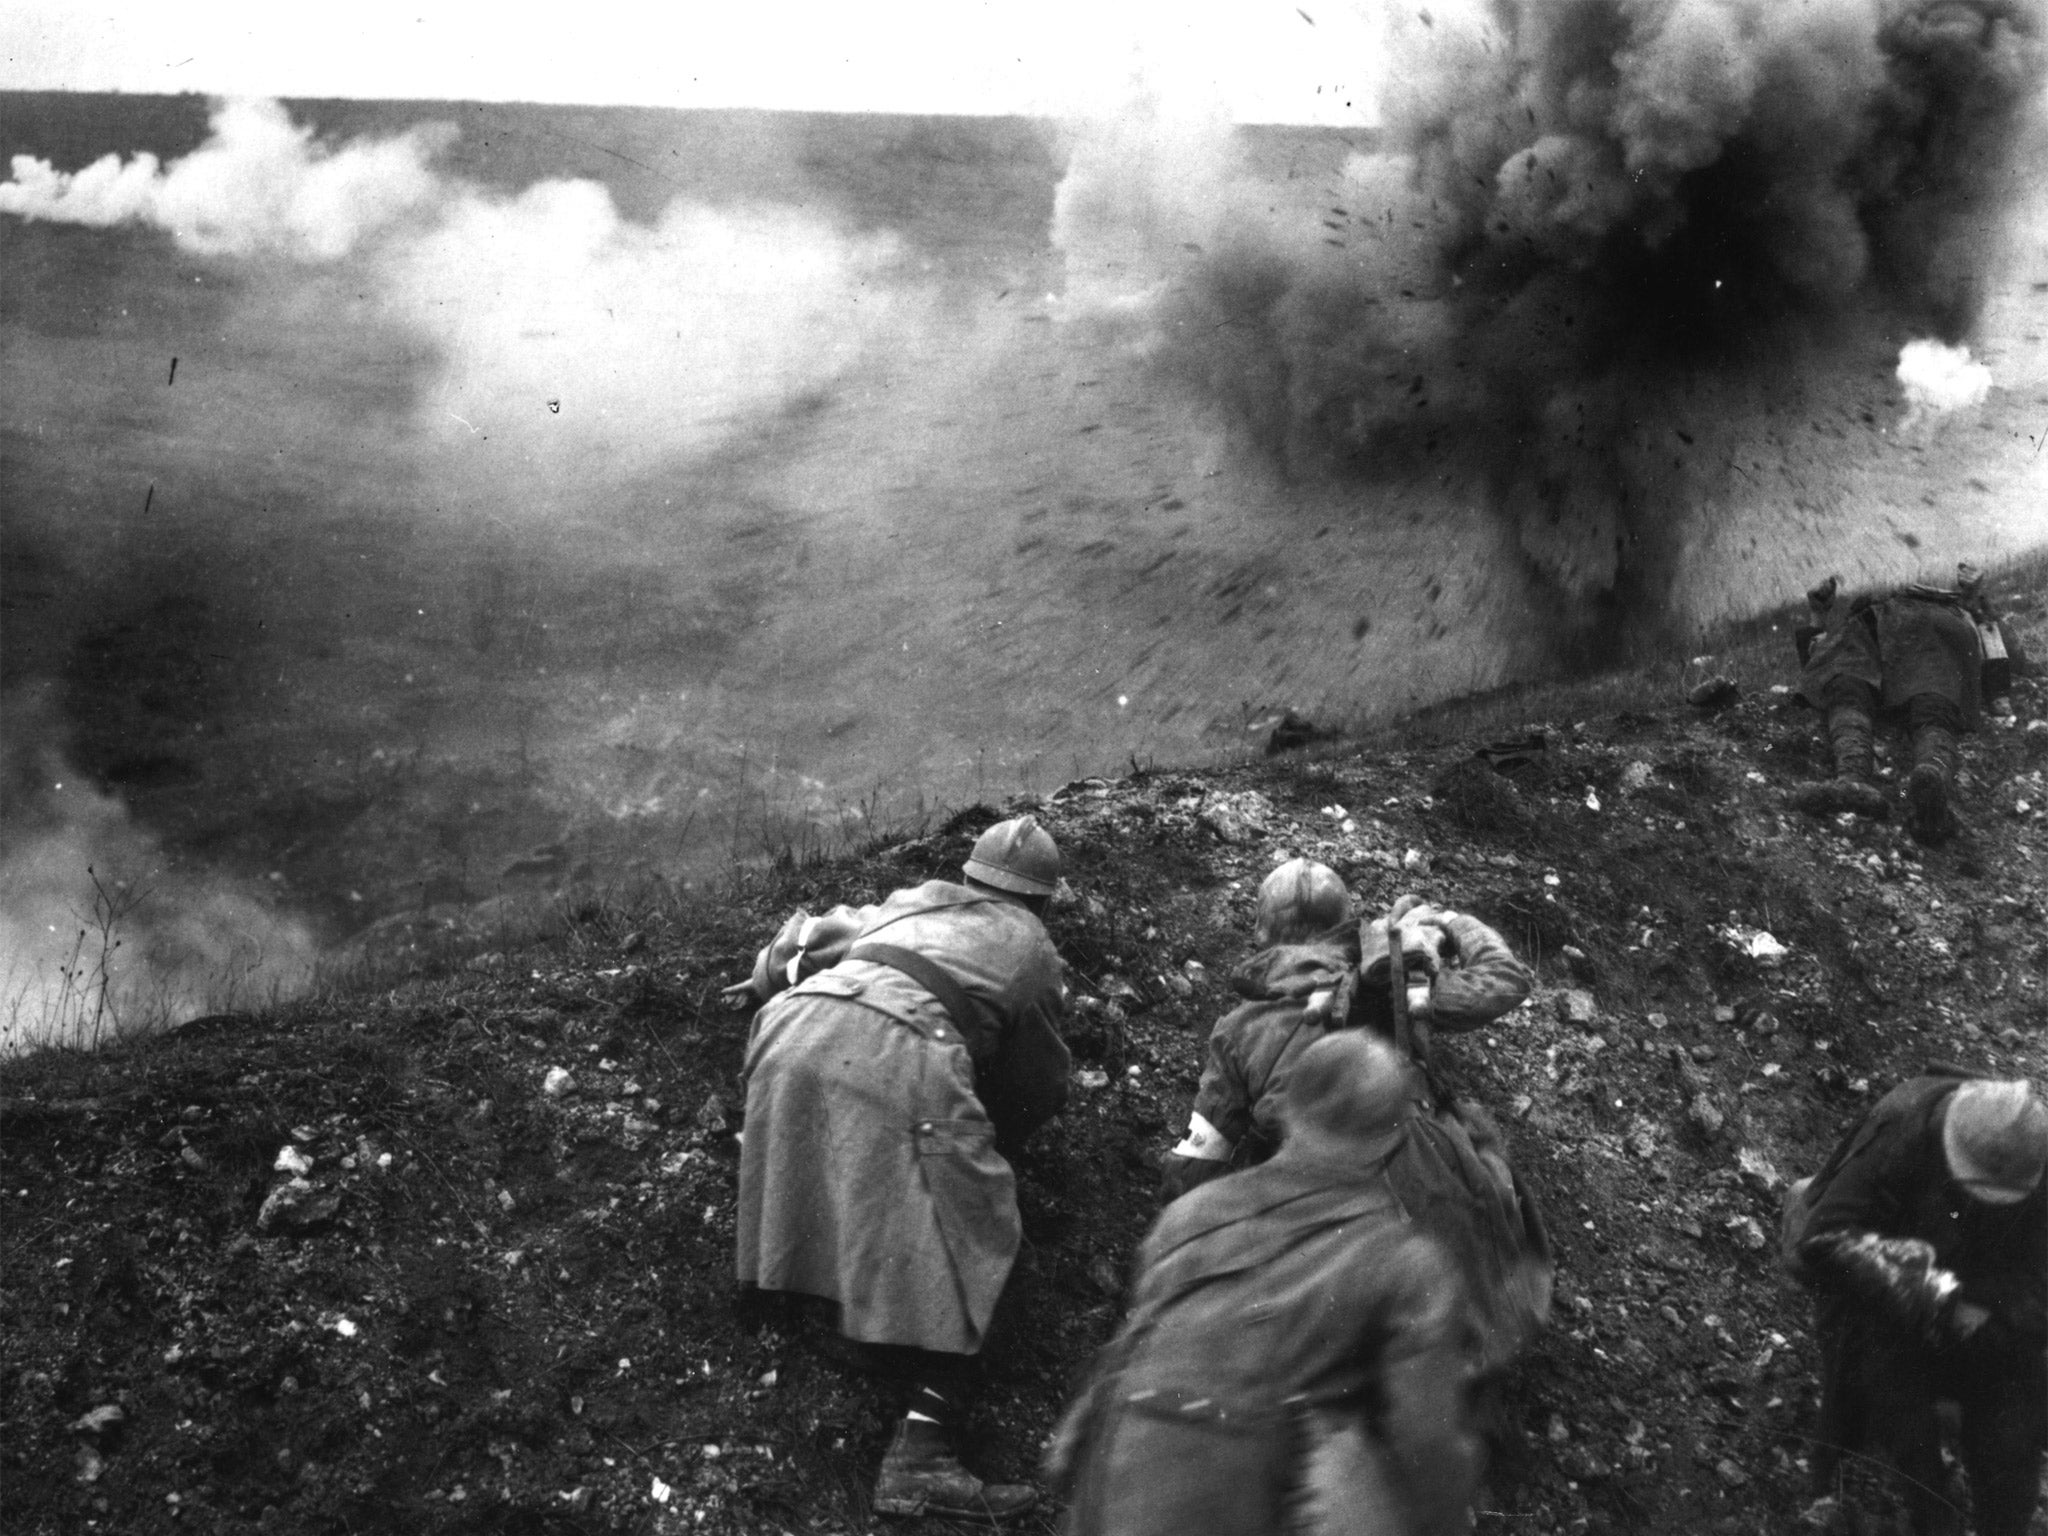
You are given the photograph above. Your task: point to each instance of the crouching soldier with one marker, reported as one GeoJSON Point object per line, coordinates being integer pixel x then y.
{"type": "Point", "coordinates": [1925, 656]}
{"type": "Point", "coordinates": [1297, 1353]}
{"type": "Point", "coordinates": [1304, 981]}
{"type": "Point", "coordinates": [902, 1047]}
{"type": "Point", "coordinates": [1925, 1241]}
{"type": "Point", "coordinates": [1297, 987]}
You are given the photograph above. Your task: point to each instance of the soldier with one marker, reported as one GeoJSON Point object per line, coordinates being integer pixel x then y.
{"type": "Point", "coordinates": [1925, 1241]}
{"type": "Point", "coordinates": [1296, 1353]}
{"type": "Point", "coordinates": [1927, 656]}
{"type": "Point", "coordinates": [903, 1046]}
{"type": "Point", "coordinates": [1299, 986]}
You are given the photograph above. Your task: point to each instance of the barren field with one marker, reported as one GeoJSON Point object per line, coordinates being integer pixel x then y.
{"type": "Point", "coordinates": [497, 1309]}
{"type": "Point", "coordinates": [319, 602]}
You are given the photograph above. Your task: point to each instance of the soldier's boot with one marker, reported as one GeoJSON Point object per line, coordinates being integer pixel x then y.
{"type": "Point", "coordinates": [1851, 789]}
{"type": "Point", "coordinates": [922, 1476]}
{"type": "Point", "coordinates": [1928, 816]}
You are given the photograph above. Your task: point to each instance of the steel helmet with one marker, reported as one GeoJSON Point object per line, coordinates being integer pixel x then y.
{"type": "Point", "coordinates": [1016, 855]}
{"type": "Point", "coordinates": [1344, 1090]}
{"type": "Point", "coordinates": [1994, 1138]}
{"type": "Point", "coordinates": [1299, 899]}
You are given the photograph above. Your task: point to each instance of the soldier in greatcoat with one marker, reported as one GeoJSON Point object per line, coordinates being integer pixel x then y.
{"type": "Point", "coordinates": [1925, 1241]}
{"type": "Point", "coordinates": [1315, 971]}
{"type": "Point", "coordinates": [1297, 1351]}
{"type": "Point", "coordinates": [902, 1047]}
{"type": "Point", "coordinates": [1449, 1166]}
{"type": "Point", "coordinates": [1927, 657]}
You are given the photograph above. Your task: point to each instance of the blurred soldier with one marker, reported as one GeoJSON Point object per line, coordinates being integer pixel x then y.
{"type": "Point", "coordinates": [1296, 1355]}
{"type": "Point", "coordinates": [1303, 982]}
{"type": "Point", "coordinates": [1925, 1241]}
{"type": "Point", "coordinates": [904, 1044]}
{"type": "Point", "coordinates": [1926, 656]}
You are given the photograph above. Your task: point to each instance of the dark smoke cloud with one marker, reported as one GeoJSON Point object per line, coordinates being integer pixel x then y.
{"type": "Point", "coordinates": [1581, 222]}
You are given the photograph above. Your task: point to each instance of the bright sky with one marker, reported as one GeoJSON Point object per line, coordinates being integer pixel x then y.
{"type": "Point", "coordinates": [1261, 60]}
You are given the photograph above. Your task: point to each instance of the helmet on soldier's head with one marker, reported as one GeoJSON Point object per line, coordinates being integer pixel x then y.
{"type": "Point", "coordinates": [1017, 855]}
{"type": "Point", "coordinates": [1994, 1137]}
{"type": "Point", "coordinates": [1299, 899]}
{"type": "Point", "coordinates": [1342, 1091]}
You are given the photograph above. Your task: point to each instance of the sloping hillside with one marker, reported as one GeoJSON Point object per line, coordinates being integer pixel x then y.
{"type": "Point", "coordinates": [502, 1299]}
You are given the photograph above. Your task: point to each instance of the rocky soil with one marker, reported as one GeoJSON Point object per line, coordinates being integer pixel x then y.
{"type": "Point", "coordinates": [455, 1254]}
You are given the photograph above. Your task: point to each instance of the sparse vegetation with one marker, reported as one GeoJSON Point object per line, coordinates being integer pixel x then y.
{"type": "Point", "coordinates": [535, 1285]}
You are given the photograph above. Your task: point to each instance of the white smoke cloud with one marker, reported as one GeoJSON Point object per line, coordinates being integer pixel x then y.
{"type": "Point", "coordinates": [1939, 379]}
{"type": "Point", "coordinates": [100, 934]}
{"type": "Point", "coordinates": [1144, 192]}
{"type": "Point", "coordinates": [554, 328]}
{"type": "Point", "coordinates": [561, 329]}
{"type": "Point", "coordinates": [260, 185]}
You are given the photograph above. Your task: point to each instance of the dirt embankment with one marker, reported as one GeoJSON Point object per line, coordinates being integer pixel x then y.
{"type": "Point", "coordinates": [496, 1293]}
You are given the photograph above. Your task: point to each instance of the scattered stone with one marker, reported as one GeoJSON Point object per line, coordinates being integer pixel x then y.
{"type": "Point", "coordinates": [193, 1158]}
{"type": "Point", "coordinates": [633, 943]}
{"type": "Point", "coordinates": [1759, 1170]}
{"type": "Point", "coordinates": [710, 1115]}
{"type": "Point", "coordinates": [1756, 944]}
{"type": "Point", "coordinates": [559, 1083]}
{"type": "Point", "coordinates": [1714, 693]}
{"type": "Point", "coordinates": [1706, 1114]}
{"type": "Point", "coordinates": [1757, 1019]}
{"type": "Point", "coordinates": [296, 1206]}
{"type": "Point", "coordinates": [1233, 823]}
{"type": "Point", "coordinates": [1730, 1473]}
{"type": "Point", "coordinates": [1637, 775]}
{"type": "Point", "coordinates": [1749, 1232]}
{"type": "Point", "coordinates": [1092, 1078]}
{"type": "Point", "coordinates": [1578, 1007]}
{"type": "Point", "coordinates": [1724, 1013]}
{"type": "Point", "coordinates": [292, 1161]}
{"type": "Point", "coordinates": [103, 1423]}
{"type": "Point", "coordinates": [1579, 962]}
{"type": "Point", "coordinates": [1657, 1020]}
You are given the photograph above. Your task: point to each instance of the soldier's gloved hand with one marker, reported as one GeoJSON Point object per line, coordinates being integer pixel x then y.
{"type": "Point", "coordinates": [1823, 596]}
{"type": "Point", "coordinates": [741, 996]}
{"type": "Point", "coordinates": [1969, 579]}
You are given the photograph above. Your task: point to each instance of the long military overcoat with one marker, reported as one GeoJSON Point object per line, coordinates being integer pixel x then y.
{"type": "Point", "coordinates": [1295, 1360]}
{"type": "Point", "coordinates": [869, 1170]}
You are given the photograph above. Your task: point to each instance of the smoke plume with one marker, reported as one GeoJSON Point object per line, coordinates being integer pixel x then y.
{"type": "Point", "coordinates": [556, 326]}
{"type": "Point", "coordinates": [474, 375]}
{"type": "Point", "coordinates": [1578, 217]}
{"type": "Point", "coordinates": [103, 932]}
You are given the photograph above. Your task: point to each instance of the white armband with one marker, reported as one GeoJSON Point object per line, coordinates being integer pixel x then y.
{"type": "Point", "coordinates": [804, 935]}
{"type": "Point", "coordinates": [1205, 1143]}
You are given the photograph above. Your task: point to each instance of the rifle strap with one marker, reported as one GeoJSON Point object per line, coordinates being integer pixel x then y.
{"type": "Point", "coordinates": [927, 974]}
{"type": "Point", "coordinates": [1397, 993]}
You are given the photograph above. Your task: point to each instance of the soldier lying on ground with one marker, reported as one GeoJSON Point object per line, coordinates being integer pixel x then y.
{"type": "Point", "coordinates": [1925, 1241]}
{"type": "Point", "coordinates": [1920, 655]}
{"type": "Point", "coordinates": [1450, 1165]}
{"type": "Point", "coordinates": [1297, 1351]}
{"type": "Point", "coordinates": [904, 1044]}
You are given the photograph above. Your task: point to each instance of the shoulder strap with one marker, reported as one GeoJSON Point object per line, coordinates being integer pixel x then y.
{"type": "Point", "coordinates": [927, 974]}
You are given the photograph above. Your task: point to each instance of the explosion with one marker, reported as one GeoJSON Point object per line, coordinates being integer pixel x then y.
{"type": "Point", "coordinates": [1583, 227]}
